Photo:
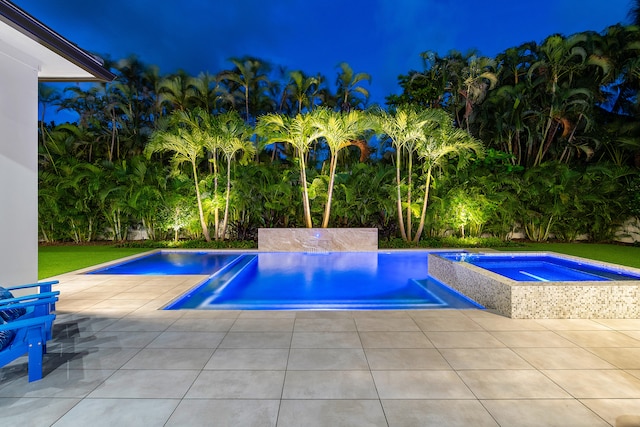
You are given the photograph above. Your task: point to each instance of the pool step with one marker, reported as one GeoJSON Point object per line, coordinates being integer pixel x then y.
{"type": "Point", "coordinates": [215, 283]}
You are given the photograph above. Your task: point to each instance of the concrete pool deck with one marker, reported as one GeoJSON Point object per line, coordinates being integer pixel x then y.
{"type": "Point", "coordinates": [117, 360]}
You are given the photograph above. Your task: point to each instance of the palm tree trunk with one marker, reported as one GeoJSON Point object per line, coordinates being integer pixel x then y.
{"type": "Point", "coordinates": [216, 214]}
{"type": "Point", "coordinates": [424, 206]}
{"type": "Point", "coordinates": [403, 232]}
{"type": "Point", "coordinates": [332, 175]}
{"type": "Point", "coordinates": [305, 193]}
{"type": "Point", "coordinates": [203, 224]}
{"type": "Point", "coordinates": [223, 231]}
{"type": "Point", "coordinates": [409, 183]}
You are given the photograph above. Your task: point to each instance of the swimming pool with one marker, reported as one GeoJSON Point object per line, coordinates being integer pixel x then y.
{"type": "Point", "coordinates": [541, 267]}
{"type": "Point", "coordinates": [301, 281]}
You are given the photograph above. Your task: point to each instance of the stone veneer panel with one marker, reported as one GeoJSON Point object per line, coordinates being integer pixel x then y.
{"type": "Point", "coordinates": [317, 239]}
{"type": "Point", "coordinates": [540, 300]}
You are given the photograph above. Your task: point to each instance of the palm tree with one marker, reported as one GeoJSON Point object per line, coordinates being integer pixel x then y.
{"type": "Point", "coordinates": [339, 130]}
{"type": "Point", "coordinates": [234, 136]}
{"type": "Point", "coordinates": [202, 91]}
{"type": "Point", "coordinates": [348, 89]}
{"type": "Point", "coordinates": [47, 95]}
{"type": "Point", "coordinates": [559, 61]}
{"type": "Point", "coordinates": [300, 132]}
{"type": "Point", "coordinates": [187, 144]}
{"type": "Point", "coordinates": [407, 130]}
{"type": "Point", "coordinates": [300, 87]}
{"type": "Point", "coordinates": [174, 91]}
{"type": "Point", "coordinates": [250, 74]}
{"type": "Point", "coordinates": [442, 143]}
{"type": "Point", "coordinates": [479, 78]}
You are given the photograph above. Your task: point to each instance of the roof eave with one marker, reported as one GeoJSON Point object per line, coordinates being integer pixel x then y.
{"type": "Point", "coordinates": [21, 21]}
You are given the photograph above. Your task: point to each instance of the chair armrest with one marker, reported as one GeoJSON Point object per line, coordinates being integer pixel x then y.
{"type": "Point", "coordinates": [42, 303]}
{"type": "Point", "coordinates": [44, 286]}
{"type": "Point", "coordinates": [26, 323]}
{"type": "Point", "coordinates": [29, 300]}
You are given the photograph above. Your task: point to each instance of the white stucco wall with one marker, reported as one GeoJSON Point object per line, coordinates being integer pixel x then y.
{"type": "Point", "coordinates": [18, 168]}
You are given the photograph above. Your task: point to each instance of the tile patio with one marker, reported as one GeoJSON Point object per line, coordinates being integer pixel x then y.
{"type": "Point", "coordinates": [118, 360]}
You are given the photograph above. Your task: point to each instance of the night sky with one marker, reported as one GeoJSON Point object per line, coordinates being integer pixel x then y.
{"type": "Point", "coordinates": [381, 37]}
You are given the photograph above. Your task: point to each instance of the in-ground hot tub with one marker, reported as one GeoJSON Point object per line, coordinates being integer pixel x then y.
{"type": "Point", "coordinates": [541, 285]}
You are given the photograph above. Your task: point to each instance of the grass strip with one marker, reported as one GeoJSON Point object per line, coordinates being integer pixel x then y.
{"type": "Point", "coordinates": [617, 254]}
{"type": "Point", "coordinates": [54, 260]}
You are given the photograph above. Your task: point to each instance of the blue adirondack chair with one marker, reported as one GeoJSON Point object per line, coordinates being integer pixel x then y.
{"type": "Point", "coordinates": [33, 329]}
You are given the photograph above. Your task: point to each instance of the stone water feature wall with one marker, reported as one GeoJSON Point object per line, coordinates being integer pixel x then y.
{"type": "Point", "coordinates": [317, 239]}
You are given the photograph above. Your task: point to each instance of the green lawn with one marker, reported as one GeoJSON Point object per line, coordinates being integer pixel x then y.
{"type": "Point", "coordinates": [54, 260]}
{"type": "Point", "coordinates": [617, 254]}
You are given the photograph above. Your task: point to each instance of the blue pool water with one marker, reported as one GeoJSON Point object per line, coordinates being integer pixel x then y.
{"type": "Point", "coordinates": [280, 281]}
{"type": "Point", "coordinates": [542, 268]}
{"type": "Point", "coordinates": [169, 263]}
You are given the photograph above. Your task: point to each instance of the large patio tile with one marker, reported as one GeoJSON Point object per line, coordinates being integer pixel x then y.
{"type": "Point", "coordinates": [600, 338]}
{"type": "Point", "coordinates": [542, 412]}
{"type": "Point", "coordinates": [610, 409]}
{"type": "Point", "coordinates": [41, 411]}
{"type": "Point", "coordinates": [596, 384]}
{"type": "Point", "coordinates": [312, 314]}
{"type": "Point", "coordinates": [140, 324]}
{"type": "Point", "coordinates": [572, 324]}
{"type": "Point", "coordinates": [463, 340]}
{"type": "Point", "coordinates": [120, 304]}
{"type": "Point", "coordinates": [420, 385]}
{"type": "Point", "coordinates": [483, 358]}
{"type": "Point", "coordinates": [267, 314]}
{"type": "Point", "coordinates": [250, 358]}
{"type": "Point", "coordinates": [146, 384]}
{"type": "Point", "coordinates": [562, 358]}
{"type": "Point", "coordinates": [507, 324]}
{"type": "Point", "coordinates": [88, 357]}
{"type": "Point", "coordinates": [211, 314]}
{"type": "Point", "coordinates": [256, 340]}
{"type": "Point", "coordinates": [124, 412]}
{"type": "Point", "coordinates": [201, 325]}
{"type": "Point", "coordinates": [532, 339]}
{"type": "Point", "coordinates": [175, 339]}
{"type": "Point", "coordinates": [174, 358]}
{"type": "Point", "coordinates": [444, 313]}
{"type": "Point", "coordinates": [322, 413]}
{"type": "Point", "coordinates": [623, 358]}
{"type": "Point", "coordinates": [74, 326]}
{"type": "Point", "coordinates": [386, 324]}
{"type": "Point", "coordinates": [106, 339]}
{"type": "Point", "coordinates": [263, 325]}
{"type": "Point", "coordinates": [225, 412]}
{"type": "Point", "coordinates": [326, 340]}
{"type": "Point", "coordinates": [621, 324]}
{"type": "Point", "coordinates": [237, 385]}
{"type": "Point", "coordinates": [395, 340]}
{"type": "Point", "coordinates": [436, 413]}
{"type": "Point", "coordinates": [327, 359]}
{"type": "Point", "coordinates": [380, 314]}
{"type": "Point", "coordinates": [447, 324]}
{"type": "Point", "coordinates": [381, 359]}
{"type": "Point", "coordinates": [633, 334]}
{"type": "Point", "coordinates": [62, 382]}
{"type": "Point", "coordinates": [325, 325]}
{"type": "Point", "coordinates": [511, 384]}
{"type": "Point", "coordinates": [329, 385]}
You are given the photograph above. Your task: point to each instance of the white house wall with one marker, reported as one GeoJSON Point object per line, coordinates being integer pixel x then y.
{"type": "Point", "coordinates": [18, 168]}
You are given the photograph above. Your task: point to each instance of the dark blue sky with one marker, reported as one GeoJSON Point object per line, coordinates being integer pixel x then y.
{"type": "Point", "coordinates": [381, 37]}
